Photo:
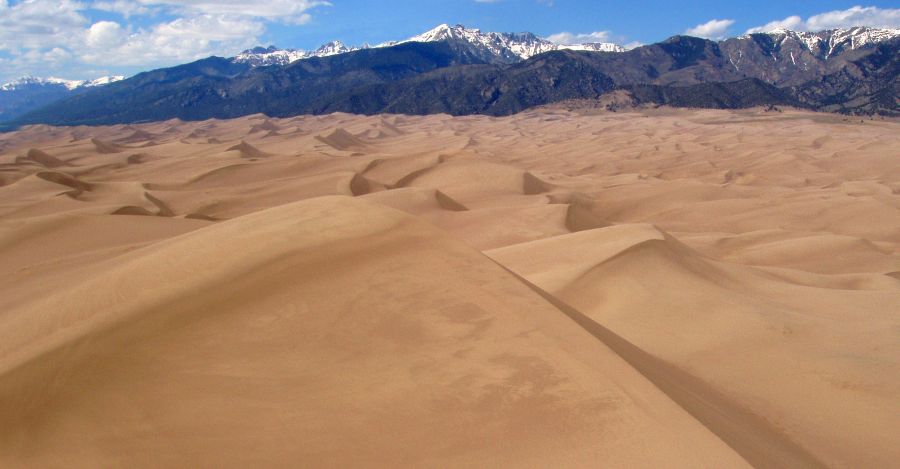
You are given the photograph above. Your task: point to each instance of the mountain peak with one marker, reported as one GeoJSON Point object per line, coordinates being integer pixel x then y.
{"type": "Point", "coordinates": [332, 48]}
{"type": "Point", "coordinates": [443, 32]}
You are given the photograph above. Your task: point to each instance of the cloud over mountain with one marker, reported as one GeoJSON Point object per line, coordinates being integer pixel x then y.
{"type": "Point", "coordinates": [712, 29]}
{"type": "Point", "coordinates": [580, 38]}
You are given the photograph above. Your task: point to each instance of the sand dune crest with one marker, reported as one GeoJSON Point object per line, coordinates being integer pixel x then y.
{"type": "Point", "coordinates": [35, 155]}
{"type": "Point", "coordinates": [248, 151]}
{"type": "Point", "coordinates": [105, 147]}
{"type": "Point", "coordinates": [340, 139]}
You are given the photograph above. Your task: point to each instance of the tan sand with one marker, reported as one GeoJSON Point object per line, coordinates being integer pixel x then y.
{"type": "Point", "coordinates": [553, 289]}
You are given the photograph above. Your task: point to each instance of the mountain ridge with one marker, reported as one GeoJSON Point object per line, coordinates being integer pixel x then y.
{"type": "Point", "coordinates": [29, 80]}
{"type": "Point", "coordinates": [510, 47]}
{"type": "Point", "coordinates": [493, 46]}
{"type": "Point", "coordinates": [852, 71]}
{"type": "Point", "coordinates": [27, 93]}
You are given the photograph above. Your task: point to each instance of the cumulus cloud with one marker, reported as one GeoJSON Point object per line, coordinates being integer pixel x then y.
{"type": "Point", "coordinates": [580, 38]}
{"type": "Point", "coordinates": [104, 34]}
{"type": "Point", "coordinates": [180, 40]}
{"type": "Point", "coordinates": [59, 36]}
{"type": "Point", "coordinates": [39, 24]}
{"type": "Point", "coordinates": [712, 29]}
{"type": "Point", "coordinates": [854, 16]}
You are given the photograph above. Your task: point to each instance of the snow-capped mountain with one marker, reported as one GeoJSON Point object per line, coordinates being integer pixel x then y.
{"type": "Point", "coordinates": [521, 46]}
{"type": "Point", "coordinates": [834, 41]}
{"type": "Point", "coordinates": [28, 93]}
{"type": "Point", "coordinates": [495, 47]}
{"type": "Point", "coordinates": [263, 56]}
{"type": "Point", "coordinates": [102, 81]}
{"type": "Point", "coordinates": [514, 47]}
{"type": "Point", "coordinates": [30, 81]}
{"type": "Point", "coordinates": [790, 58]}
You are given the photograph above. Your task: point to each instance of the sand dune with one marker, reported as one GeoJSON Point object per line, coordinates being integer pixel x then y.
{"type": "Point", "coordinates": [469, 367]}
{"type": "Point", "coordinates": [704, 314]}
{"type": "Point", "coordinates": [670, 288]}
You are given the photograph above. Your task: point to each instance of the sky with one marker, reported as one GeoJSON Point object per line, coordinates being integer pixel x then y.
{"type": "Point", "coordinates": [86, 39]}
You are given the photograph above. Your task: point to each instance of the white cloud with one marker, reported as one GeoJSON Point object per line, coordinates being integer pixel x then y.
{"type": "Point", "coordinates": [104, 34]}
{"type": "Point", "coordinates": [180, 40]}
{"type": "Point", "coordinates": [855, 16]}
{"type": "Point", "coordinates": [580, 38]}
{"type": "Point", "coordinates": [39, 24]}
{"type": "Point", "coordinates": [51, 57]}
{"type": "Point", "coordinates": [126, 8]}
{"type": "Point", "coordinates": [56, 55]}
{"type": "Point", "coordinates": [287, 11]}
{"type": "Point", "coordinates": [712, 29]}
{"type": "Point", "coordinates": [40, 37]}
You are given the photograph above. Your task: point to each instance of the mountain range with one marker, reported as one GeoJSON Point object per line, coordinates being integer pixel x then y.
{"type": "Point", "coordinates": [490, 47]}
{"type": "Point", "coordinates": [28, 93]}
{"type": "Point", "coordinates": [457, 70]}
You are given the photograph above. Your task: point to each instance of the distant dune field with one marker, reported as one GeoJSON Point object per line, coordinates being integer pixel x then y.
{"type": "Point", "coordinates": [559, 288]}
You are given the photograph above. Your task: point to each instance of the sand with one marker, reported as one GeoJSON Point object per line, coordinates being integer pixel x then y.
{"type": "Point", "coordinates": [559, 288]}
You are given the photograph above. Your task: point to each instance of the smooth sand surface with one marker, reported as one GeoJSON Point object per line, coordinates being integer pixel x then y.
{"type": "Point", "coordinates": [553, 289]}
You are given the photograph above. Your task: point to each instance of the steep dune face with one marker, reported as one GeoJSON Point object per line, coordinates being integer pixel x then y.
{"type": "Point", "coordinates": [556, 288]}
{"type": "Point", "coordinates": [705, 316]}
{"type": "Point", "coordinates": [327, 342]}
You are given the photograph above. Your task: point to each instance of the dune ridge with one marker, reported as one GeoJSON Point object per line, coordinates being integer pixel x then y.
{"type": "Point", "coordinates": [761, 444]}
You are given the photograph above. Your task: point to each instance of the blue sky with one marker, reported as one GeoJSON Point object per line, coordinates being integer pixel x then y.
{"type": "Point", "coordinates": [81, 39]}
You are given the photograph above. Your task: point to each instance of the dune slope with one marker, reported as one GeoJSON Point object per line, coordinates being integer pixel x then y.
{"type": "Point", "coordinates": [343, 334]}
{"type": "Point", "coordinates": [752, 337]}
